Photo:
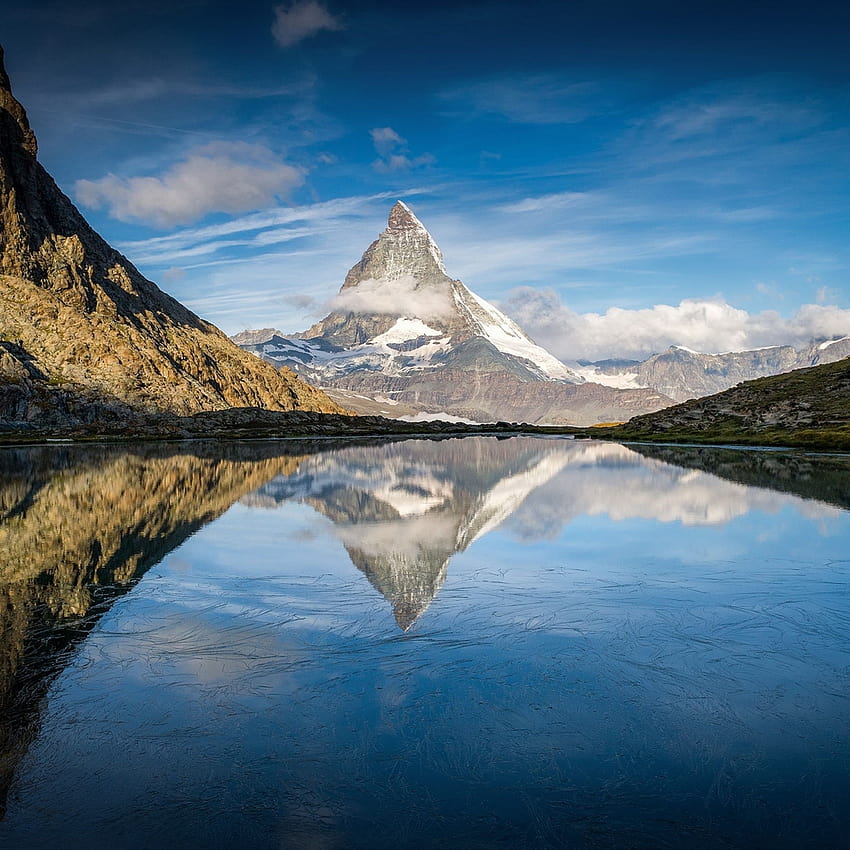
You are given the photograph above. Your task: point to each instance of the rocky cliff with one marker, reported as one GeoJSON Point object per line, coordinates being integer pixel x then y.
{"type": "Point", "coordinates": [81, 329]}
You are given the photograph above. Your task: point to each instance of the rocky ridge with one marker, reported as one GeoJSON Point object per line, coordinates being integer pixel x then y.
{"type": "Point", "coordinates": [804, 407]}
{"type": "Point", "coordinates": [84, 334]}
{"type": "Point", "coordinates": [682, 374]}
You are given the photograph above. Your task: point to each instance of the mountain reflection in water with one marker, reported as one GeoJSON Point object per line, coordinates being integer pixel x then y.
{"type": "Point", "coordinates": [79, 527]}
{"type": "Point", "coordinates": [403, 510]}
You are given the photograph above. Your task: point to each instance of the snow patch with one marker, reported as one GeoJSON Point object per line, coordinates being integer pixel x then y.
{"type": "Point", "coordinates": [621, 381]}
{"type": "Point", "coordinates": [436, 417]}
{"type": "Point", "coordinates": [404, 330]}
{"type": "Point", "coordinates": [824, 345]}
{"type": "Point", "coordinates": [508, 338]}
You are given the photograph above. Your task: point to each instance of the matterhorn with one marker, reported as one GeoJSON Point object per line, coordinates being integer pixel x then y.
{"type": "Point", "coordinates": [406, 339]}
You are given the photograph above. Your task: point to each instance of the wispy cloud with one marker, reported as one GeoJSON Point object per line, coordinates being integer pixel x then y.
{"type": "Point", "coordinates": [302, 20]}
{"type": "Point", "coordinates": [392, 150]}
{"type": "Point", "coordinates": [229, 177]}
{"type": "Point", "coordinates": [738, 130]}
{"type": "Point", "coordinates": [529, 99]}
{"type": "Point", "coordinates": [302, 221]}
{"type": "Point", "coordinates": [154, 88]}
{"type": "Point", "coordinates": [554, 201]}
{"type": "Point", "coordinates": [716, 111]}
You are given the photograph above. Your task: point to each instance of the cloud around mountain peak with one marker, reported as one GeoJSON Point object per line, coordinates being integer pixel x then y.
{"type": "Point", "coordinates": [402, 296]}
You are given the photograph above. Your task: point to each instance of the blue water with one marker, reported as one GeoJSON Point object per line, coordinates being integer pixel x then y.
{"type": "Point", "coordinates": [466, 643]}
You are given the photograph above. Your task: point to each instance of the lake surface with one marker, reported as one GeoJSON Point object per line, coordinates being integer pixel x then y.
{"type": "Point", "coordinates": [473, 643]}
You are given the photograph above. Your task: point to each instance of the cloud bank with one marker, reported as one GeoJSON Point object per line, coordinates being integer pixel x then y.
{"type": "Point", "coordinates": [301, 20]}
{"type": "Point", "coordinates": [399, 297]}
{"type": "Point", "coordinates": [230, 177]}
{"type": "Point", "coordinates": [710, 326]}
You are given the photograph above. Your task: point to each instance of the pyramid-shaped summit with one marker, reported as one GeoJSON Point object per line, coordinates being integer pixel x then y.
{"type": "Point", "coordinates": [404, 250]}
{"type": "Point", "coordinates": [406, 338]}
{"type": "Point", "coordinates": [82, 331]}
{"type": "Point", "coordinates": [400, 299]}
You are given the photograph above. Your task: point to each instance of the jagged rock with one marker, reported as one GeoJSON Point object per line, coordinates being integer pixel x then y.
{"type": "Point", "coordinates": [85, 327]}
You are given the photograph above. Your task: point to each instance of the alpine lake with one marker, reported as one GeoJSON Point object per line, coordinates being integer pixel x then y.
{"type": "Point", "coordinates": [455, 643]}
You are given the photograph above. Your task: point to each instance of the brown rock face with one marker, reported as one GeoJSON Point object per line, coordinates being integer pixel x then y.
{"type": "Point", "coordinates": [75, 313]}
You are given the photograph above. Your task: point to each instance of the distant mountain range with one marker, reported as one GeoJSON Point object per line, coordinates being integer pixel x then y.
{"type": "Point", "coordinates": [84, 337]}
{"type": "Point", "coordinates": [406, 338]}
{"type": "Point", "coordinates": [681, 373]}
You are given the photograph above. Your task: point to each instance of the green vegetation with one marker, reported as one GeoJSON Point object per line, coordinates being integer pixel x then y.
{"type": "Point", "coordinates": [807, 408]}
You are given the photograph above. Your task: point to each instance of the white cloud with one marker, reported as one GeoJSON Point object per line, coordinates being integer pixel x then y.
{"type": "Point", "coordinates": [546, 203]}
{"type": "Point", "coordinates": [704, 325]}
{"type": "Point", "coordinates": [231, 177]}
{"type": "Point", "coordinates": [399, 297]}
{"type": "Point", "coordinates": [385, 140]}
{"type": "Point", "coordinates": [301, 20]}
{"type": "Point", "coordinates": [713, 111]}
{"type": "Point", "coordinates": [393, 153]}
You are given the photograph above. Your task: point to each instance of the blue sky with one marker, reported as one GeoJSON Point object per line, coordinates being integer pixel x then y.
{"type": "Point", "coordinates": [619, 176]}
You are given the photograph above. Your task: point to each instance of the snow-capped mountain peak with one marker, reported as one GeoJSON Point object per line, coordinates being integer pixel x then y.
{"type": "Point", "coordinates": [402, 332]}
{"type": "Point", "coordinates": [401, 312]}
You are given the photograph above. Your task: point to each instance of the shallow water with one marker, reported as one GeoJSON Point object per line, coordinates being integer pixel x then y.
{"type": "Point", "coordinates": [461, 643]}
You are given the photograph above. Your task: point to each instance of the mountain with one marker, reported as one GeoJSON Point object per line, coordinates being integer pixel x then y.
{"type": "Point", "coordinates": [404, 334]}
{"type": "Point", "coordinates": [83, 334]}
{"type": "Point", "coordinates": [682, 374]}
{"type": "Point", "coordinates": [806, 407]}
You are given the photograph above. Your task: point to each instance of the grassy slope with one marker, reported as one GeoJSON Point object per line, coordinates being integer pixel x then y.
{"type": "Point", "coordinates": [807, 408]}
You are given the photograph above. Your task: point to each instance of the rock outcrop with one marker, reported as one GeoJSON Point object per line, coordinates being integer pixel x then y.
{"type": "Point", "coordinates": [804, 407]}
{"type": "Point", "coordinates": [83, 332]}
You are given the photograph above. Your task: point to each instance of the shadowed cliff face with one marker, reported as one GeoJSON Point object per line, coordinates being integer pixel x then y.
{"type": "Point", "coordinates": [78, 528]}
{"type": "Point", "coordinates": [82, 316]}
